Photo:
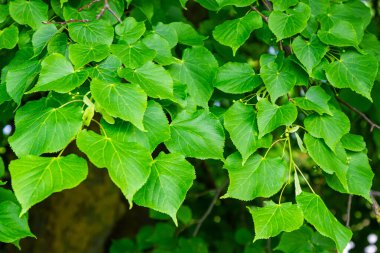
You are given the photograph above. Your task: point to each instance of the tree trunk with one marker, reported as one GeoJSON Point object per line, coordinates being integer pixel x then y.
{"type": "Point", "coordinates": [79, 220]}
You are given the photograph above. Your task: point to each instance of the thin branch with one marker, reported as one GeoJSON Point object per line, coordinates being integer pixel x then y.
{"type": "Point", "coordinates": [269, 245]}
{"type": "Point", "coordinates": [268, 5]}
{"type": "Point", "coordinates": [218, 191]}
{"type": "Point", "coordinates": [375, 193]}
{"type": "Point", "coordinates": [66, 22]}
{"type": "Point", "coordinates": [260, 13]}
{"type": "Point", "coordinates": [370, 122]}
{"type": "Point", "coordinates": [349, 204]}
{"type": "Point", "coordinates": [280, 45]}
{"type": "Point", "coordinates": [88, 6]}
{"type": "Point", "coordinates": [106, 6]}
{"type": "Point", "coordinates": [375, 205]}
{"type": "Point", "coordinates": [286, 49]}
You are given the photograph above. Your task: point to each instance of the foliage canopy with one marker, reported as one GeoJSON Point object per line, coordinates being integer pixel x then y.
{"type": "Point", "coordinates": [146, 94]}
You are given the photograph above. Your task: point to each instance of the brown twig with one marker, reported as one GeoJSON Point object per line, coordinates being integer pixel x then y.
{"type": "Point", "coordinates": [375, 205]}
{"type": "Point", "coordinates": [66, 22]}
{"type": "Point", "coordinates": [106, 6]}
{"type": "Point", "coordinates": [349, 204]}
{"type": "Point", "coordinates": [286, 49]}
{"type": "Point", "coordinates": [268, 5]}
{"type": "Point", "coordinates": [265, 18]}
{"type": "Point", "coordinates": [375, 193]}
{"type": "Point", "coordinates": [269, 245]}
{"type": "Point", "coordinates": [88, 6]}
{"type": "Point", "coordinates": [218, 191]}
{"type": "Point", "coordinates": [369, 121]}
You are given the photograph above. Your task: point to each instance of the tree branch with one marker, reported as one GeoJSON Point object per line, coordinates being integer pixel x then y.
{"type": "Point", "coordinates": [286, 49]}
{"type": "Point", "coordinates": [66, 22]}
{"type": "Point", "coordinates": [265, 18]}
{"type": "Point", "coordinates": [269, 245]}
{"type": "Point", "coordinates": [370, 122]}
{"type": "Point", "coordinates": [349, 204]}
{"type": "Point", "coordinates": [375, 205]}
{"type": "Point", "coordinates": [268, 5]}
{"type": "Point", "coordinates": [88, 6]}
{"type": "Point", "coordinates": [106, 6]}
{"type": "Point", "coordinates": [209, 209]}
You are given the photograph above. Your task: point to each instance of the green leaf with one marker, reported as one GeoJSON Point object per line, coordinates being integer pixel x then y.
{"type": "Point", "coordinates": [237, 3]}
{"type": "Point", "coordinates": [354, 71]}
{"type": "Point", "coordinates": [9, 37]}
{"type": "Point", "coordinates": [316, 99]}
{"type": "Point", "coordinates": [199, 135]}
{"type": "Point", "coordinates": [236, 78]}
{"type": "Point", "coordinates": [318, 215]}
{"type": "Point", "coordinates": [185, 214]}
{"type": "Point", "coordinates": [305, 240]}
{"type": "Point", "coordinates": [63, 2]}
{"type": "Point", "coordinates": [285, 25]}
{"type": "Point", "coordinates": [272, 219]}
{"type": "Point", "coordinates": [57, 74]}
{"type": "Point", "coordinates": [121, 245]}
{"type": "Point", "coordinates": [187, 35]}
{"type": "Point", "coordinates": [371, 45]}
{"type": "Point", "coordinates": [58, 44]}
{"type": "Point", "coordinates": [153, 78]}
{"type": "Point", "coordinates": [4, 12]}
{"type": "Point", "coordinates": [4, 97]}
{"type": "Point", "coordinates": [283, 5]}
{"type": "Point", "coordinates": [128, 163]}
{"type": "Point", "coordinates": [338, 33]}
{"type": "Point", "coordinates": [215, 5]}
{"type": "Point", "coordinates": [96, 31]}
{"type": "Point", "coordinates": [161, 46]}
{"type": "Point", "coordinates": [241, 123]}
{"type": "Point", "coordinates": [258, 177]}
{"type": "Point", "coordinates": [311, 28]}
{"type": "Point", "coordinates": [155, 123]}
{"type": "Point", "coordinates": [344, 24]}
{"type": "Point", "coordinates": [146, 8]}
{"type": "Point", "coordinates": [30, 13]}
{"type": "Point", "coordinates": [19, 78]}
{"type": "Point", "coordinates": [329, 127]}
{"type": "Point", "coordinates": [319, 6]}
{"type": "Point", "coordinates": [183, 3]}
{"type": "Point", "coordinates": [133, 55]}
{"type": "Point", "coordinates": [310, 53]}
{"type": "Point", "coordinates": [36, 178]}
{"type": "Point", "coordinates": [234, 33]}
{"type": "Point", "coordinates": [106, 70]}
{"type": "Point", "coordinates": [41, 38]}
{"type": "Point", "coordinates": [167, 32]}
{"type": "Point", "coordinates": [353, 142]}
{"type": "Point", "coordinates": [170, 179]}
{"type": "Point", "coordinates": [43, 129]}
{"type": "Point", "coordinates": [81, 54]}
{"type": "Point", "coordinates": [278, 81]}
{"type": "Point", "coordinates": [130, 30]}
{"type": "Point", "coordinates": [211, 5]}
{"type": "Point", "coordinates": [271, 116]}
{"type": "Point", "coordinates": [359, 176]}
{"type": "Point", "coordinates": [356, 12]}
{"type": "Point", "coordinates": [123, 100]}
{"type": "Point", "coordinates": [2, 168]}
{"type": "Point", "coordinates": [197, 70]}
{"type": "Point", "coordinates": [330, 161]}
{"type": "Point", "coordinates": [12, 227]}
